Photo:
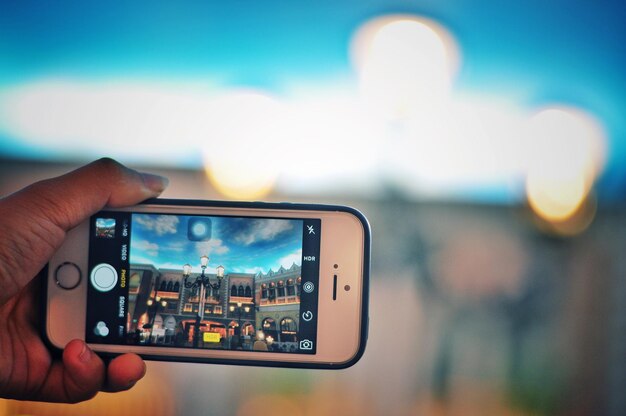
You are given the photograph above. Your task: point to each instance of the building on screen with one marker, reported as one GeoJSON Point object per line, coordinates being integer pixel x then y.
{"type": "Point", "coordinates": [246, 307]}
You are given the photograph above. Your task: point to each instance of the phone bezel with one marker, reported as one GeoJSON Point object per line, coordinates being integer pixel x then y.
{"type": "Point", "coordinates": [328, 318]}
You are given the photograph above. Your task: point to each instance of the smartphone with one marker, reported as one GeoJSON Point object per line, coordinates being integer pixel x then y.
{"type": "Point", "coordinates": [272, 284]}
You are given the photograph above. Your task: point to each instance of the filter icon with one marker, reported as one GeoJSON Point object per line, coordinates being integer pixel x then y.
{"type": "Point", "coordinates": [101, 329]}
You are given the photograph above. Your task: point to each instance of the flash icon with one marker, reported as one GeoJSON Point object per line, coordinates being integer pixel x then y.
{"type": "Point", "coordinates": [311, 229]}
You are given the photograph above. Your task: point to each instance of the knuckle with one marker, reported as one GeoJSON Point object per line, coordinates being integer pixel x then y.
{"type": "Point", "coordinates": [109, 167]}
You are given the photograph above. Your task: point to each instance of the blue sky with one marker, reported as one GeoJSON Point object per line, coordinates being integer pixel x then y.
{"type": "Point", "coordinates": [531, 53]}
{"type": "Point", "coordinates": [241, 245]}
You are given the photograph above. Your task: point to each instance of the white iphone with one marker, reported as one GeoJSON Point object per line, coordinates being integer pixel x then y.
{"type": "Point", "coordinates": [237, 283]}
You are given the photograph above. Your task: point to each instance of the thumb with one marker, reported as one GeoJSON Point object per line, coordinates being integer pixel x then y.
{"type": "Point", "coordinates": [34, 220]}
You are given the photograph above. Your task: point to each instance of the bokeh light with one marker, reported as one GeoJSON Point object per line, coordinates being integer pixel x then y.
{"type": "Point", "coordinates": [405, 64]}
{"type": "Point", "coordinates": [331, 144]}
{"type": "Point", "coordinates": [577, 222]}
{"type": "Point", "coordinates": [568, 152]}
{"type": "Point", "coordinates": [243, 148]}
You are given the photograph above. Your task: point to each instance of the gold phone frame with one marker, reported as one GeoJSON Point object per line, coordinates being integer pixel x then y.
{"type": "Point", "coordinates": [341, 325]}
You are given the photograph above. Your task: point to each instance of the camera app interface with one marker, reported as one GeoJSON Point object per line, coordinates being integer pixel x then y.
{"type": "Point", "coordinates": [211, 282]}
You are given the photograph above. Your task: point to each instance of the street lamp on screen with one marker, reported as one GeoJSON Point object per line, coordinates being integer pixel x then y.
{"type": "Point", "coordinates": [153, 309]}
{"type": "Point", "coordinates": [203, 283]}
{"type": "Point", "coordinates": [239, 308]}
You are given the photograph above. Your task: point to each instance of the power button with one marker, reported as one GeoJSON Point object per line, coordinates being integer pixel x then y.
{"type": "Point", "coordinates": [67, 275]}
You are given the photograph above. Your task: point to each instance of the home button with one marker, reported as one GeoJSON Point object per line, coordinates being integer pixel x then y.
{"type": "Point", "coordinates": [67, 275]}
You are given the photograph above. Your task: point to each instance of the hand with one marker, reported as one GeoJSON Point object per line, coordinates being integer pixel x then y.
{"type": "Point", "coordinates": [33, 224]}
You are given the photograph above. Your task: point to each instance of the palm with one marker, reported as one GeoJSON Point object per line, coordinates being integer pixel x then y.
{"type": "Point", "coordinates": [27, 369]}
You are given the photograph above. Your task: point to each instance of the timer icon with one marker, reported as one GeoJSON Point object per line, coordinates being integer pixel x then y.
{"type": "Point", "coordinates": [307, 316]}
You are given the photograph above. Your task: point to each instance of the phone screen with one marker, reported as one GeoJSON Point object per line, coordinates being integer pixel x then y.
{"type": "Point", "coordinates": [207, 282]}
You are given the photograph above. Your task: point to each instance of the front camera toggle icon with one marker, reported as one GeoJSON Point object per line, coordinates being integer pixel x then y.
{"type": "Point", "coordinates": [306, 344]}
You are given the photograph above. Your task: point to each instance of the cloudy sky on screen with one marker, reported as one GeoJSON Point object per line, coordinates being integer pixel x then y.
{"type": "Point", "coordinates": [240, 245]}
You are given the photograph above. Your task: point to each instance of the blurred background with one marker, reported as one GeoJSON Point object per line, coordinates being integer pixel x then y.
{"type": "Point", "coordinates": [484, 140]}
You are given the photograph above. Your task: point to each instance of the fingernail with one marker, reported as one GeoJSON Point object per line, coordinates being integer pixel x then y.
{"type": "Point", "coordinates": [155, 183]}
{"type": "Point", "coordinates": [85, 354]}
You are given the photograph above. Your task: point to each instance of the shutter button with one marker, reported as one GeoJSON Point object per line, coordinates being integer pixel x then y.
{"type": "Point", "coordinates": [67, 275]}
